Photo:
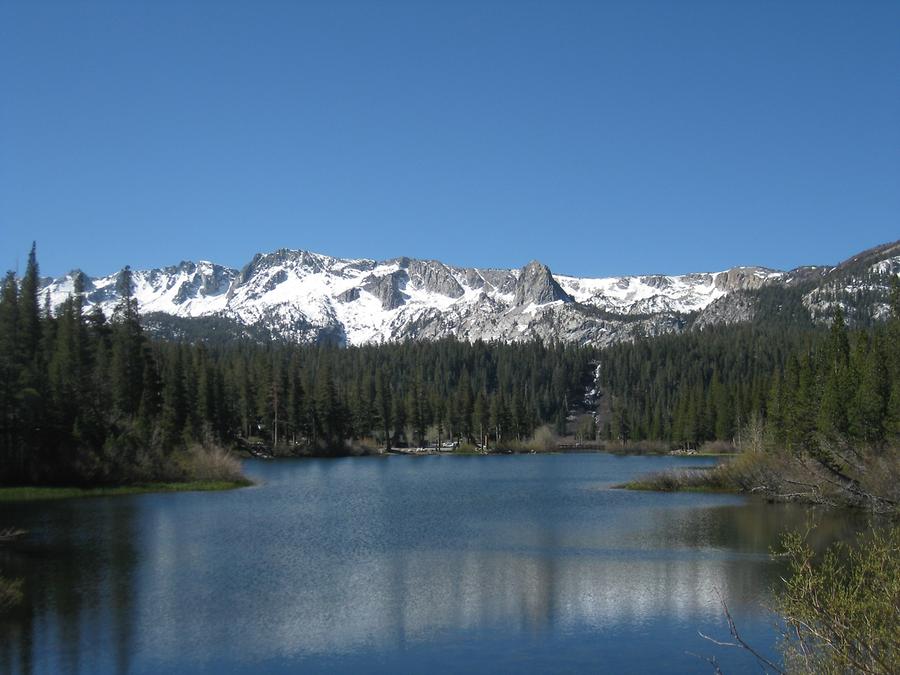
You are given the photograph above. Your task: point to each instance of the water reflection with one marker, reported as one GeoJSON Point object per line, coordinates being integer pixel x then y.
{"type": "Point", "coordinates": [78, 565]}
{"type": "Point", "coordinates": [377, 557]}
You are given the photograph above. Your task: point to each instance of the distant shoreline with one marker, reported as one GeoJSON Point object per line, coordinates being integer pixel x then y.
{"type": "Point", "coordinates": [30, 493]}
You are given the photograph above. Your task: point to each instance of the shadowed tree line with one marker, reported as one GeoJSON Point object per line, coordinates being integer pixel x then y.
{"type": "Point", "coordinates": [808, 386]}
{"type": "Point", "coordinates": [92, 399]}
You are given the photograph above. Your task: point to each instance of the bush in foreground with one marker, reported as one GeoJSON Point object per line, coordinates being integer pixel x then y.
{"type": "Point", "coordinates": [10, 593]}
{"type": "Point", "coordinates": [842, 611]}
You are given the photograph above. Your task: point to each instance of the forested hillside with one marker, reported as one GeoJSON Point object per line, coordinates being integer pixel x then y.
{"type": "Point", "coordinates": [801, 381]}
{"type": "Point", "coordinates": [91, 399]}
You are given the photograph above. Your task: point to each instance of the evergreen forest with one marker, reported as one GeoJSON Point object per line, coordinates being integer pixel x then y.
{"type": "Point", "coordinates": [89, 399]}
{"type": "Point", "coordinates": [803, 383]}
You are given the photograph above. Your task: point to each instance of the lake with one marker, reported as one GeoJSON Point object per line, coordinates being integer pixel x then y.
{"type": "Point", "coordinates": [399, 564]}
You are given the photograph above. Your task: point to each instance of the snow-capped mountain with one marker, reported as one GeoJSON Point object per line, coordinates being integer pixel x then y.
{"type": "Point", "coordinates": [304, 296]}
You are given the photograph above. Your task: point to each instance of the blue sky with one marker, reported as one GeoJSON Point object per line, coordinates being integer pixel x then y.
{"type": "Point", "coordinates": [599, 137]}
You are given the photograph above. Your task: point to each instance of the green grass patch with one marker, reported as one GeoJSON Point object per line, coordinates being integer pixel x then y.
{"type": "Point", "coordinates": [35, 493]}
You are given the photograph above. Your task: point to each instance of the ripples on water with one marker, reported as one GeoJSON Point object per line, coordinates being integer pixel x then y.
{"type": "Point", "coordinates": [445, 564]}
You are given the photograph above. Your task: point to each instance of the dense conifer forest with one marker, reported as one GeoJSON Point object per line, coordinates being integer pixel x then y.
{"type": "Point", "coordinates": [804, 383]}
{"type": "Point", "coordinates": [90, 399]}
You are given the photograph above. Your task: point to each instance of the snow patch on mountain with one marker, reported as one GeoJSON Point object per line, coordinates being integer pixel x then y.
{"type": "Point", "coordinates": [305, 296]}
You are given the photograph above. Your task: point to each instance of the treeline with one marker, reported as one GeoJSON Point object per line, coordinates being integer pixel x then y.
{"type": "Point", "coordinates": [803, 383]}
{"type": "Point", "coordinates": [90, 399]}
{"type": "Point", "coordinates": [406, 393]}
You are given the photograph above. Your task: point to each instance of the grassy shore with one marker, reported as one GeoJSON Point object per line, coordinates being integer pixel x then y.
{"type": "Point", "coordinates": [682, 480]}
{"type": "Point", "coordinates": [34, 493]}
{"type": "Point", "coordinates": [867, 479]}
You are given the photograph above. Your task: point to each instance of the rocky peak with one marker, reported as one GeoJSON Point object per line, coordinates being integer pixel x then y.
{"type": "Point", "coordinates": [537, 285]}
{"type": "Point", "coordinates": [284, 257]}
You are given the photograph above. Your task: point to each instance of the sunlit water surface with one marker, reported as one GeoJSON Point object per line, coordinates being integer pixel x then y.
{"type": "Point", "coordinates": [438, 564]}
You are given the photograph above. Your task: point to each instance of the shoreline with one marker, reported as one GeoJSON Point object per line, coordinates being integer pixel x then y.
{"type": "Point", "coordinates": [28, 493]}
{"type": "Point", "coordinates": [430, 451]}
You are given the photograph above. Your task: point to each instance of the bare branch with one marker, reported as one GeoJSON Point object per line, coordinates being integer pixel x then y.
{"type": "Point", "coordinates": [739, 641]}
{"type": "Point", "coordinates": [711, 660]}
{"type": "Point", "coordinates": [10, 534]}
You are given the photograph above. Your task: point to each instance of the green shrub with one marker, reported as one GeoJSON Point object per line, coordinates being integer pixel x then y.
{"type": "Point", "coordinates": [10, 593]}
{"type": "Point", "coordinates": [842, 610]}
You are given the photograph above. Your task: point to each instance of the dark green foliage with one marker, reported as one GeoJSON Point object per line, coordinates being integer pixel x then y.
{"type": "Point", "coordinates": [812, 386]}
{"type": "Point", "coordinates": [699, 385]}
{"type": "Point", "coordinates": [88, 400]}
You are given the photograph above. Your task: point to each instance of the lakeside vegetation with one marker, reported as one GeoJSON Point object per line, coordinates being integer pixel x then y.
{"type": "Point", "coordinates": [83, 399]}
{"type": "Point", "coordinates": [838, 607]}
{"type": "Point", "coordinates": [820, 424]}
{"type": "Point", "coordinates": [868, 480]}
{"type": "Point", "coordinates": [88, 401]}
{"type": "Point", "coordinates": [27, 493]}
{"type": "Point", "coordinates": [841, 607]}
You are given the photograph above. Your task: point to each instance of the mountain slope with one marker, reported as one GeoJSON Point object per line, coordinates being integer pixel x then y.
{"type": "Point", "coordinates": [303, 296]}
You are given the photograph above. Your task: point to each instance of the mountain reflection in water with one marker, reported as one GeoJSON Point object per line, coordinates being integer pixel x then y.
{"type": "Point", "coordinates": [444, 563]}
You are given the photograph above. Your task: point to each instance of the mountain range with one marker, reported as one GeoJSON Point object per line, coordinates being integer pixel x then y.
{"type": "Point", "coordinates": [308, 297]}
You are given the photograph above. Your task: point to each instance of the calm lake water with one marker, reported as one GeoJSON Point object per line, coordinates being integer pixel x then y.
{"type": "Point", "coordinates": [399, 564]}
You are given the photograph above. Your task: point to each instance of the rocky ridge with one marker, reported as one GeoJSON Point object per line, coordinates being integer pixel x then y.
{"type": "Point", "coordinates": [303, 296]}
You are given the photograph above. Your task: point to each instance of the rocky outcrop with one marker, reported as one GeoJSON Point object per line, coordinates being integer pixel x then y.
{"type": "Point", "coordinates": [473, 278]}
{"type": "Point", "coordinates": [737, 307]}
{"type": "Point", "coordinates": [743, 278]}
{"type": "Point", "coordinates": [349, 295]}
{"type": "Point", "coordinates": [434, 277]}
{"type": "Point", "coordinates": [536, 285]}
{"type": "Point", "coordinates": [388, 288]}
{"type": "Point", "coordinates": [657, 281]}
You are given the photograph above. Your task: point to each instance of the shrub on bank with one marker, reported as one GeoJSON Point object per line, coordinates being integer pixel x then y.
{"type": "Point", "coordinates": [867, 479]}
{"type": "Point", "coordinates": [10, 593]}
{"type": "Point", "coordinates": [675, 480]}
{"type": "Point", "coordinates": [841, 609]}
{"type": "Point", "coordinates": [207, 463]}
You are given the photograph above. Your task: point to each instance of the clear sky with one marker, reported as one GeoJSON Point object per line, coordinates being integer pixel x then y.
{"type": "Point", "coordinates": [598, 137]}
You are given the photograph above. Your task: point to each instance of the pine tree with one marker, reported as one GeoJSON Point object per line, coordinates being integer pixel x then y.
{"type": "Point", "coordinates": [30, 388]}
{"type": "Point", "coordinates": [328, 414]}
{"type": "Point", "coordinates": [414, 415]}
{"type": "Point", "coordinates": [383, 405]}
{"type": "Point", "coordinates": [295, 408]}
{"type": "Point", "coordinates": [892, 344]}
{"type": "Point", "coordinates": [29, 316]}
{"type": "Point", "coordinates": [837, 389]}
{"type": "Point", "coordinates": [127, 348]}
{"type": "Point", "coordinates": [871, 404]}
{"type": "Point", "coordinates": [173, 415]}
{"type": "Point", "coordinates": [480, 418]}
{"type": "Point", "coordinates": [439, 413]}
{"type": "Point", "coordinates": [9, 377]}
{"type": "Point", "coordinates": [398, 418]}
